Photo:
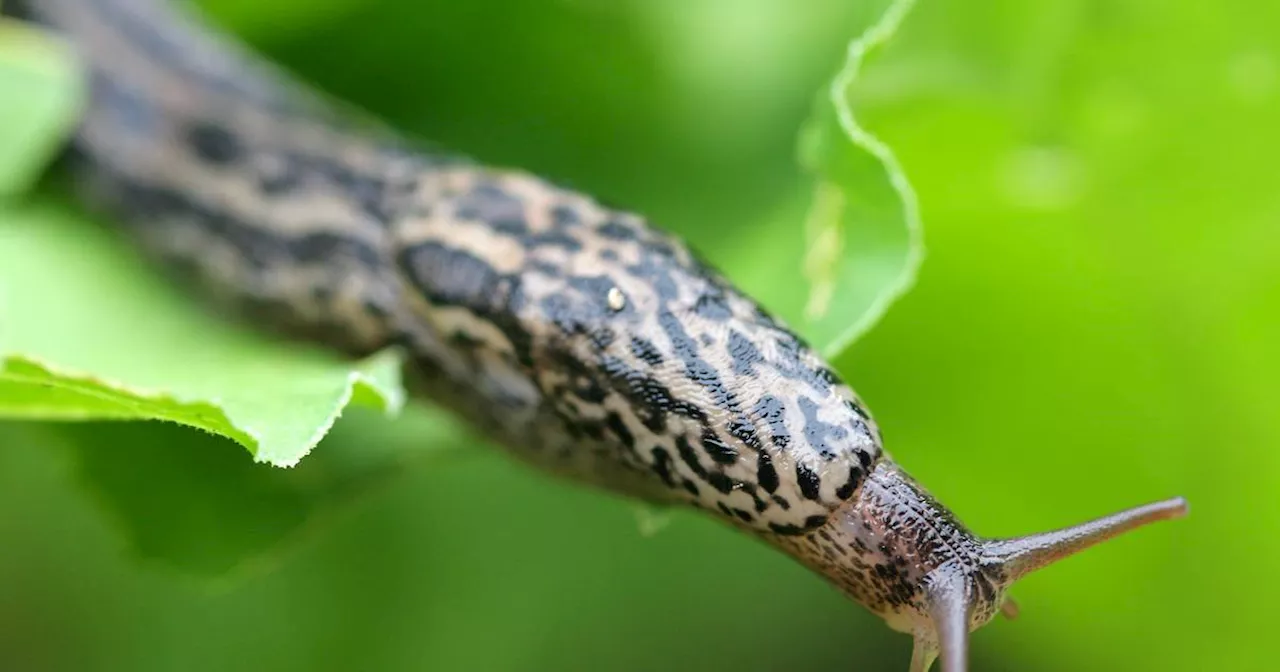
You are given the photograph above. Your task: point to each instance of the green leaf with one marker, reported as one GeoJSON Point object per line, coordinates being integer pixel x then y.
{"type": "Point", "coordinates": [191, 502]}
{"type": "Point", "coordinates": [278, 19]}
{"type": "Point", "coordinates": [862, 239]}
{"type": "Point", "coordinates": [88, 330]}
{"type": "Point", "coordinates": [42, 92]}
{"type": "Point", "coordinates": [865, 239]}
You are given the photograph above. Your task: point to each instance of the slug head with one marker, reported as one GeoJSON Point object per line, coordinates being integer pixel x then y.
{"type": "Point", "coordinates": [904, 556]}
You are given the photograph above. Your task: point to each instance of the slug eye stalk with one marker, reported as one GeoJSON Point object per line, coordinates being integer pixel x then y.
{"type": "Point", "coordinates": [952, 597]}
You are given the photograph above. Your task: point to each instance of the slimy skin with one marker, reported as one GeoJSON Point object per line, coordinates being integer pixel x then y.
{"type": "Point", "coordinates": [580, 338]}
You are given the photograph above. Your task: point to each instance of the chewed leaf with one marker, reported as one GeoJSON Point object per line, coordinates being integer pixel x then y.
{"type": "Point", "coordinates": [863, 230]}
{"type": "Point", "coordinates": [88, 331]}
{"type": "Point", "coordinates": [41, 92]}
{"type": "Point", "coordinates": [854, 235]}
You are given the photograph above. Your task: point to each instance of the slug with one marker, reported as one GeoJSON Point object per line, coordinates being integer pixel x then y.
{"type": "Point", "coordinates": [582, 339]}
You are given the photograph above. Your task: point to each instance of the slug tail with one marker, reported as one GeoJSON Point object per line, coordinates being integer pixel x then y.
{"type": "Point", "coordinates": [1022, 555]}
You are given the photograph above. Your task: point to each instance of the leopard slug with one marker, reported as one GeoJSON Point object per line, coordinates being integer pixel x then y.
{"type": "Point", "coordinates": [578, 337]}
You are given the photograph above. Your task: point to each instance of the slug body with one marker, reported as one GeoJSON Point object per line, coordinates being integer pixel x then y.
{"type": "Point", "coordinates": [578, 337]}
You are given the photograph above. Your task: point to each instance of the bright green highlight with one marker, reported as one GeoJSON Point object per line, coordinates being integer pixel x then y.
{"type": "Point", "coordinates": [40, 91]}
{"type": "Point", "coordinates": [89, 330]}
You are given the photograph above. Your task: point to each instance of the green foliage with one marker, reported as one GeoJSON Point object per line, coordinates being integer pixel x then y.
{"type": "Point", "coordinates": [1095, 327]}
{"type": "Point", "coordinates": [864, 236]}
{"type": "Point", "coordinates": [859, 244]}
{"type": "Point", "coordinates": [42, 92]}
{"type": "Point", "coordinates": [91, 332]}
{"type": "Point", "coordinates": [184, 501]}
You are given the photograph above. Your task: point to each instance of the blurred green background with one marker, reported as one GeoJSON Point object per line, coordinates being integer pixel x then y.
{"type": "Point", "coordinates": [1097, 324]}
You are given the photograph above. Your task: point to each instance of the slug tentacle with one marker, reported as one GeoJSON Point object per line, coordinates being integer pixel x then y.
{"type": "Point", "coordinates": [948, 595]}
{"type": "Point", "coordinates": [905, 556]}
{"type": "Point", "coordinates": [1022, 555]}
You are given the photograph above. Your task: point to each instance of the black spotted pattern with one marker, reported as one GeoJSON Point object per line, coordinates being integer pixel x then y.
{"type": "Point", "coordinates": [578, 336]}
